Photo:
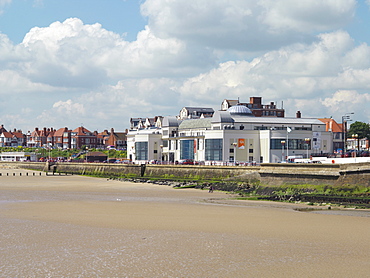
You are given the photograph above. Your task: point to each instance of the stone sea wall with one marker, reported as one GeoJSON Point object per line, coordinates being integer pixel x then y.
{"type": "Point", "coordinates": [269, 174]}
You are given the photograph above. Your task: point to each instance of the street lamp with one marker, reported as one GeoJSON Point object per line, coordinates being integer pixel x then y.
{"type": "Point", "coordinates": [160, 155]}
{"type": "Point", "coordinates": [345, 118]}
{"type": "Point", "coordinates": [307, 140]}
{"type": "Point", "coordinates": [282, 150]}
{"type": "Point", "coordinates": [357, 142]}
{"type": "Point", "coordinates": [235, 144]}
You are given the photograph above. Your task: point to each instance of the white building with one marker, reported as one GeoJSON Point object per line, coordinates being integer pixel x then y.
{"type": "Point", "coordinates": [234, 135]}
{"type": "Point", "coordinates": [17, 156]}
{"type": "Point", "coordinates": [144, 144]}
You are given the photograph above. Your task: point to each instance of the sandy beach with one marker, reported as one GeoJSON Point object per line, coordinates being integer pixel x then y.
{"type": "Point", "coordinates": [74, 226]}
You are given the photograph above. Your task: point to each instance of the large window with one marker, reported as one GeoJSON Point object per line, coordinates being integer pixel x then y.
{"type": "Point", "coordinates": [213, 149]}
{"type": "Point", "coordinates": [294, 144]}
{"type": "Point", "coordinates": [187, 149]}
{"type": "Point", "coordinates": [141, 150]}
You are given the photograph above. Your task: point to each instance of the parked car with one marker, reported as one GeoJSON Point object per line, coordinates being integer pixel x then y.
{"type": "Point", "coordinates": [186, 162]}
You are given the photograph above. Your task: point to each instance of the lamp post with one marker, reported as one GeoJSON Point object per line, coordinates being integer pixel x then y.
{"type": "Point", "coordinates": [345, 119]}
{"type": "Point", "coordinates": [282, 150]}
{"type": "Point", "coordinates": [235, 144]}
{"type": "Point", "coordinates": [160, 155]}
{"type": "Point", "coordinates": [307, 140]}
{"type": "Point", "coordinates": [356, 143]}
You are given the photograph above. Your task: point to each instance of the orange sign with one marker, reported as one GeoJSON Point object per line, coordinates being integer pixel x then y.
{"type": "Point", "coordinates": [241, 143]}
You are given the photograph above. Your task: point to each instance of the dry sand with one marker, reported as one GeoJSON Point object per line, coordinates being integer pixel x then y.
{"type": "Point", "coordinates": [73, 226]}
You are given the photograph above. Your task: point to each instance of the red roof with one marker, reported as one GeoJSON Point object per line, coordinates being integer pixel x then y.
{"type": "Point", "coordinates": [332, 125]}
{"type": "Point", "coordinates": [82, 131]}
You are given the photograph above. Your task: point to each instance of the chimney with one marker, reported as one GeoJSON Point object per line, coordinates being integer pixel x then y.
{"type": "Point", "coordinates": [298, 114]}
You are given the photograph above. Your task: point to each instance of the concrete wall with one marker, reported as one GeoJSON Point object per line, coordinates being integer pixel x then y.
{"type": "Point", "coordinates": [270, 174]}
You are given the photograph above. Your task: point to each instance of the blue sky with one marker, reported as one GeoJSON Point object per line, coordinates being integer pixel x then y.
{"type": "Point", "coordinates": [99, 63]}
{"type": "Point", "coordinates": [122, 17]}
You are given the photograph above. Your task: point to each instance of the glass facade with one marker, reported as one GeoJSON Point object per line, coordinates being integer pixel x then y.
{"type": "Point", "coordinates": [187, 149]}
{"type": "Point", "coordinates": [213, 149]}
{"type": "Point", "coordinates": [141, 150]}
{"type": "Point", "coordinates": [294, 144]}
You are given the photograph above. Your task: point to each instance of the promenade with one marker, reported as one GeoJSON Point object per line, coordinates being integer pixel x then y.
{"type": "Point", "coordinates": [75, 226]}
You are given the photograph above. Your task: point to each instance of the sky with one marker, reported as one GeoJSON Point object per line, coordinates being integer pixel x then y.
{"type": "Point", "coordinates": [99, 63]}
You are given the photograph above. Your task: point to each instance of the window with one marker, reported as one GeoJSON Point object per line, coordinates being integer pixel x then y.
{"type": "Point", "coordinates": [213, 149]}
{"type": "Point", "coordinates": [165, 143]}
{"type": "Point", "coordinates": [303, 128]}
{"type": "Point", "coordinates": [294, 144]}
{"type": "Point", "coordinates": [141, 150]}
{"type": "Point", "coordinates": [187, 149]}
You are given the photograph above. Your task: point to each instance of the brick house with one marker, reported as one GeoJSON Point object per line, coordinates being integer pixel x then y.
{"type": "Point", "coordinates": [62, 138]}
{"type": "Point", "coordinates": [83, 137]}
{"type": "Point", "coordinates": [38, 137]}
{"type": "Point", "coordinates": [117, 140]}
{"type": "Point", "coordinates": [13, 138]}
{"type": "Point", "coordinates": [102, 138]}
{"type": "Point", "coordinates": [255, 105]}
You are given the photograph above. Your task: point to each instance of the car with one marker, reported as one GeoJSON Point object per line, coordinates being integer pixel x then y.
{"type": "Point", "coordinates": [186, 162]}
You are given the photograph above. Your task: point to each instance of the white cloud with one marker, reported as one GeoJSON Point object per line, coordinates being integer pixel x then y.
{"type": "Point", "coordinates": [12, 82]}
{"type": "Point", "coordinates": [307, 15]}
{"type": "Point", "coordinates": [70, 73]}
{"type": "Point", "coordinates": [3, 3]}
{"type": "Point", "coordinates": [71, 53]}
{"type": "Point", "coordinates": [246, 25]}
{"type": "Point", "coordinates": [348, 101]}
{"type": "Point", "coordinates": [69, 108]}
{"type": "Point", "coordinates": [300, 75]}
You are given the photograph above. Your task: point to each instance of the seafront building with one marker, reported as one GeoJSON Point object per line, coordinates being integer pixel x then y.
{"type": "Point", "coordinates": [234, 135]}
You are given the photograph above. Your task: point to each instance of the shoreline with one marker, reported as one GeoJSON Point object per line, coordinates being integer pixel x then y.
{"type": "Point", "coordinates": [227, 200]}
{"type": "Point", "coordinates": [77, 226]}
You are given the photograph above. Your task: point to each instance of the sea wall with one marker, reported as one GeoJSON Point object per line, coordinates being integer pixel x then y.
{"type": "Point", "coordinates": [269, 174]}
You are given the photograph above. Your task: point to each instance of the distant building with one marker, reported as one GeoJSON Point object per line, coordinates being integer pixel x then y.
{"type": "Point", "coordinates": [145, 122]}
{"type": "Point", "coordinates": [61, 138]}
{"type": "Point", "coordinates": [232, 136]}
{"type": "Point", "coordinates": [116, 140]}
{"type": "Point", "coordinates": [95, 157]}
{"type": "Point", "coordinates": [255, 105]}
{"type": "Point", "coordinates": [39, 137]}
{"type": "Point", "coordinates": [18, 156]}
{"type": "Point", "coordinates": [13, 138]}
{"type": "Point", "coordinates": [83, 137]}
{"type": "Point", "coordinates": [195, 113]}
{"type": "Point", "coordinates": [338, 134]}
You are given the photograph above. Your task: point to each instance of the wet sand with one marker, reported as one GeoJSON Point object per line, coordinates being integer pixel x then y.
{"type": "Point", "coordinates": [73, 226]}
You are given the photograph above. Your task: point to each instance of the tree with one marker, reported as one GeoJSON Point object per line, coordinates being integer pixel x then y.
{"type": "Point", "coordinates": [359, 128]}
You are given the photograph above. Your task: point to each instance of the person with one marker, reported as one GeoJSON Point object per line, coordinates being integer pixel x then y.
{"type": "Point", "coordinates": [210, 189]}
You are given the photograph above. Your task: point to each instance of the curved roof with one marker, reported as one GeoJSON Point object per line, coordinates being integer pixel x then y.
{"type": "Point", "coordinates": [240, 110]}
{"type": "Point", "coordinates": [170, 122]}
{"type": "Point", "coordinates": [222, 117]}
